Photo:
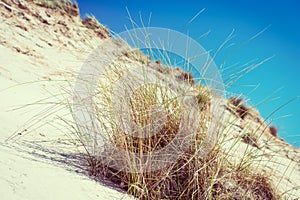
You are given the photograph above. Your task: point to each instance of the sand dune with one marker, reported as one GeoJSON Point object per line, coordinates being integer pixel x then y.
{"type": "Point", "coordinates": [41, 51]}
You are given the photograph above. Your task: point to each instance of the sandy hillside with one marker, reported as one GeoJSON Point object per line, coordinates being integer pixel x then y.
{"type": "Point", "coordinates": [41, 51]}
{"type": "Point", "coordinates": [39, 47]}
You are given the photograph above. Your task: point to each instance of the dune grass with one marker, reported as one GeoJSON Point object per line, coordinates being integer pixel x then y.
{"type": "Point", "coordinates": [189, 176]}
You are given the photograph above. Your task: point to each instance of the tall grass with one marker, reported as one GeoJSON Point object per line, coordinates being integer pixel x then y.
{"type": "Point", "coordinates": [188, 175]}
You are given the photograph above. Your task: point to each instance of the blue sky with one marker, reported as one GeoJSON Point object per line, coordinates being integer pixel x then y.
{"type": "Point", "coordinates": [247, 17]}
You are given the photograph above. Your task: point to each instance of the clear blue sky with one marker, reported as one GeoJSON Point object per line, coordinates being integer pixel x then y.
{"type": "Point", "coordinates": [247, 18]}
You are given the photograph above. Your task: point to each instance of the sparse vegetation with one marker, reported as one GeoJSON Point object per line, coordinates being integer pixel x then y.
{"type": "Point", "coordinates": [250, 139]}
{"type": "Point", "coordinates": [239, 106]}
{"type": "Point", "coordinates": [68, 6]}
{"type": "Point", "coordinates": [273, 131]}
{"type": "Point", "coordinates": [92, 23]}
{"type": "Point", "coordinates": [203, 97]}
{"type": "Point", "coordinates": [188, 77]}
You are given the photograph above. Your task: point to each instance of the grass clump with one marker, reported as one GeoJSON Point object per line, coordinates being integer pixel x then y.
{"type": "Point", "coordinates": [189, 176]}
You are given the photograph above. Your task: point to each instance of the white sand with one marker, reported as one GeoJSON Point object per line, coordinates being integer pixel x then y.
{"type": "Point", "coordinates": [42, 56]}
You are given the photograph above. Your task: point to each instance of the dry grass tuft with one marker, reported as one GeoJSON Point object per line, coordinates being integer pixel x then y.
{"type": "Point", "coordinates": [190, 176]}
